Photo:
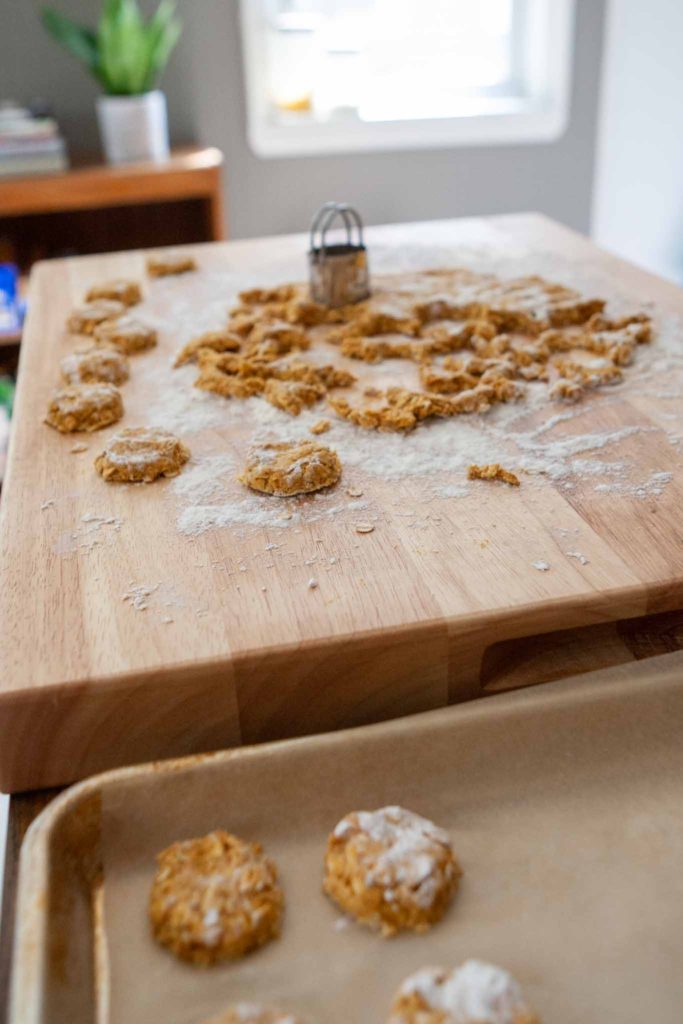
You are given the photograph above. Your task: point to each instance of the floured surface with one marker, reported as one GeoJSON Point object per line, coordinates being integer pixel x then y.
{"type": "Point", "coordinates": [563, 806]}
{"type": "Point", "coordinates": [227, 571]}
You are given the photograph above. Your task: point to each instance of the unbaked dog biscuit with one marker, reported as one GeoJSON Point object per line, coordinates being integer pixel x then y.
{"type": "Point", "coordinates": [84, 407]}
{"type": "Point", "coordinates": [291, 467]}
{"type": "Point", "coordinates": [475, 993]}
{"type": "Point", "coordinates": [126, 334]}
{"type": "Point", "coordinates": [215, 898]}
{"type": "Point", "coordinates": [85, 319]}
{"type": "Point", "coordinates": [141, 455]}
{"type": "Point", "coordinates": [169, 263]}
{"type": "Point", "coordinates": [252, 1013]}
{"type": "Point", "coordinates": [127, 292]}
{"type": "Point", "coordinates": [391, 869]}
{"type": "Point", "coordinates": [88, 366]}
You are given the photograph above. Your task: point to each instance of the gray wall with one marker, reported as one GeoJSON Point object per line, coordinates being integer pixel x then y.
{"type": "Point", "coordinates": [206, 96]}
{"type": "Point", "coordinates": [638, 208]}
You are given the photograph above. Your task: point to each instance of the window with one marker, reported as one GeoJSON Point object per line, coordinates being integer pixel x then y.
{"type": "Point", "coordinates": [345, 75]}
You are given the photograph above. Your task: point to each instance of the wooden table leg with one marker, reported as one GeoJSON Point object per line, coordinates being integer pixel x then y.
{"type": "Point", "coordinates": [22, 811]}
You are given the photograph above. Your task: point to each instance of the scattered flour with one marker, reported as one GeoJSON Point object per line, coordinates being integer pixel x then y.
{"type": "Point", "coordinates": [578, 556]}
{"type": "Point", "coordinates": [138, 595]}
{"type": "Point", "coordinates": [94, 530]}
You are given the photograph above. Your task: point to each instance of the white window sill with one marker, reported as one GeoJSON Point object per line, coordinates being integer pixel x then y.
{"type": "Point", "coordinates": [501, 122]}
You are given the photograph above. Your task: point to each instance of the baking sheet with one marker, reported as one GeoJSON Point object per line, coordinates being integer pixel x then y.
{"type": "Point", "coordinates": [565, 804]}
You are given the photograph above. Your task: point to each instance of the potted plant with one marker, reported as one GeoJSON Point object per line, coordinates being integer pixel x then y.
{"type": "Point", "coordinates": [126, 54]}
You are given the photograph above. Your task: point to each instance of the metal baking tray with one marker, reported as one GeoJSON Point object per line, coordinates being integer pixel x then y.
{"type": "Point", "coordinates": [565, 804]}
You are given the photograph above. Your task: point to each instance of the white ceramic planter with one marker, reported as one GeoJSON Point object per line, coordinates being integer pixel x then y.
{"type": "Point", "coordinates": [133, 127]}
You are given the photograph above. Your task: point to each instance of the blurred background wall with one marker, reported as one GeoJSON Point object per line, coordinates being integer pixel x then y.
{"type": "Point", "coordinates": [638, 202]}
{"type": "Point", "coordinates": [205, 91]}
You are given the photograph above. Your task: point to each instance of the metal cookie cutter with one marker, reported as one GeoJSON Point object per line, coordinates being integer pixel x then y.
{"type": "Point", "coordinates": [339, 273]}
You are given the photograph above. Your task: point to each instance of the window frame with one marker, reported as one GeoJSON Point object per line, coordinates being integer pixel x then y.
{"type": "Point", "coordinates": [540, 115]}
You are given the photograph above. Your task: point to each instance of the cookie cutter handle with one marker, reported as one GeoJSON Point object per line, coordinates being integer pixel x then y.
{"type": "Point", "coordinates": [325, 218]}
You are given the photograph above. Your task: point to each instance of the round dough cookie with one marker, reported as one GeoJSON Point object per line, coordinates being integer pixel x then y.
{"type": "Point", "coordinates": [168, 263]}
{"type": "Point", "coordinates": [215, 898]}
{"type": "Point", "coordinates": [95, 364]}
{"type": "Point", "coordinates": [84, 407]}
{"type": "Point", "coordinates": [291, 467]}
{"type": "Point", "coordinates": [391, 869]}
{"type": "Point", "coordinates": [126, 334]}
{"type": "Point", "coordinates": [140, 455]}
{"type": "Point", "coordinates": [475, 993]}
{"type": "Point", "coordinates": [127, 292]}
{"type": "Point", "coordinates": [252, 1013]}
{"type": "Point", "coordinates": [90, 316]}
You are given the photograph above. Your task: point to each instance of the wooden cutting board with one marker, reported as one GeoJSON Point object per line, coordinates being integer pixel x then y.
{"type": "Point", "coordinates": [126, 639]}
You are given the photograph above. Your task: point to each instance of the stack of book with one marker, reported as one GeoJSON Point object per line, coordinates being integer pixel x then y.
{"type": "Point", "coordinates": [29, 143]}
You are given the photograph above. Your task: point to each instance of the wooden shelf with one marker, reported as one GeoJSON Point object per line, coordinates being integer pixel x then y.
{"type": "Point", "coordinates": [190, 173]}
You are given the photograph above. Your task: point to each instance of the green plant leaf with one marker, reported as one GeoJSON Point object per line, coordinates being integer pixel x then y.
{"type": "Point", "coordinates": [163, 31]}
{"type": "Point", "coordinates": [126, 54]}
{"type": "Point", "coordinates": [77, 39]}
{"type": "Point", "coordinates": [121, 44]}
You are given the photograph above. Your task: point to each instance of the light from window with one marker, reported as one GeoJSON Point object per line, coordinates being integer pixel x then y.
{"type": "Point", "coordinates": [334, 74]}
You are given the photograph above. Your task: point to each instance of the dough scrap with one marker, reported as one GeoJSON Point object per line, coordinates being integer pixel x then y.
{"type": "Point", "coordinates": [127, 292]}
{"type": "Point", "coordinates": [167, 264]}
{"type": "Point", "coordinates": [86, 319]}
{"type": "Point", "coordinates": [291, 467]}
{"type": "Point", "coordinates": [88, 366]}
{"type": "Point", "coordinates": [292, 396]}
{"type": "Point", "coordinates": [391, 869]}
{"type": "Point", "coordinates": [126, 334]}
{"type": "Point", "coordinates": [84, 407]}
{"type": "Point", "coordinates": [493, 471]}
{"type": "Point", "coordinates": [261, 296]}
{"type": "Point", "coordinates": [215, 898]}
{"type": "Point", "coordinates": [505, 333]}
{"type": "Point", "coordinates": [140, 455]}
{"type": "Point", "coordinates": [474, 993]}
{"type": "Point", "coordinates": [215, 341]}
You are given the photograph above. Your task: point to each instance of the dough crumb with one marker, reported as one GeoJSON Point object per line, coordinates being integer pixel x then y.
{"type": "Point", "coordinates": [321, 427]}
{"type": "Point", "coordinates": [494, 471]}
{"type": "Point", "coordinates": [364, 528]}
